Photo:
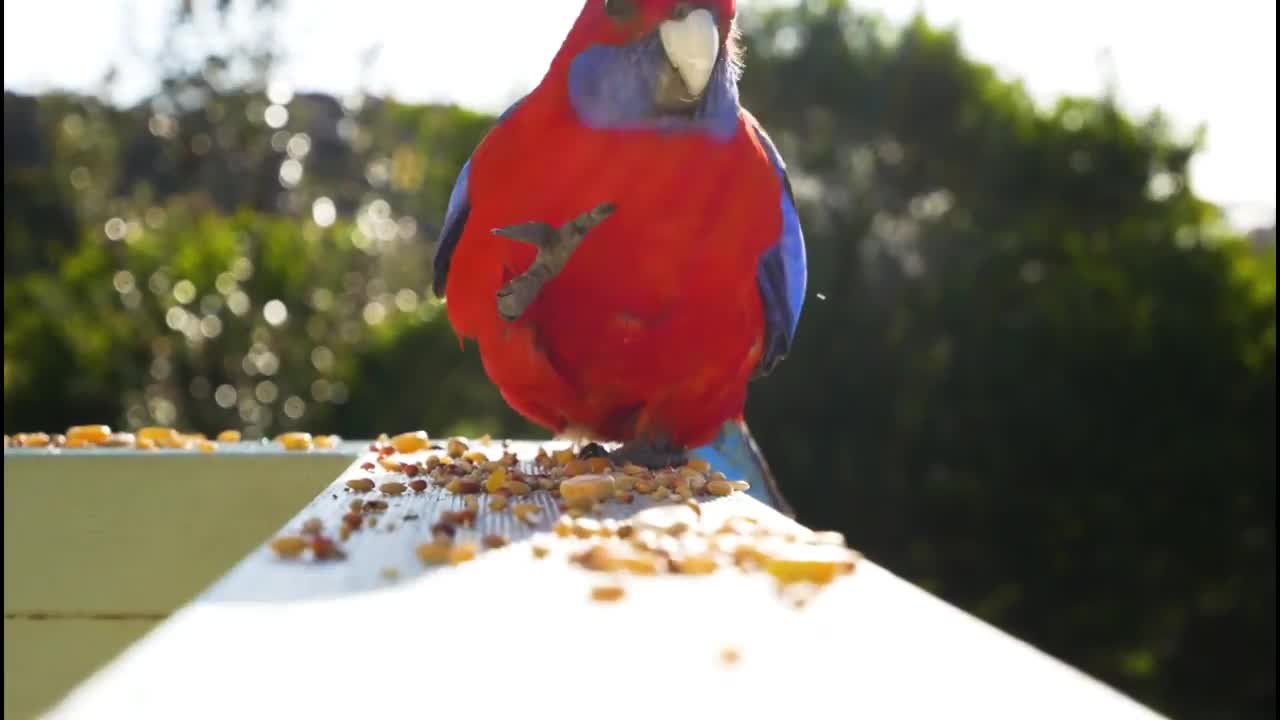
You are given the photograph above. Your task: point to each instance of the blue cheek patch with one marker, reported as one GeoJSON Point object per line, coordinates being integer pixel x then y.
{"type": "Point", "coordinates": [612, 88]}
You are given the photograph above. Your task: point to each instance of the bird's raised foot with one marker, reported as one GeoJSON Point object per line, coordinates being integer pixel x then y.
{"type": "Point", "coordinates": [555, 247]}
{"type": "Point", "coordinates": [652, 454]}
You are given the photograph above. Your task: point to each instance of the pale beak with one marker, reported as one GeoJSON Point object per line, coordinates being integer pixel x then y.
{"type": "Point", "coordinates": [692, 44]}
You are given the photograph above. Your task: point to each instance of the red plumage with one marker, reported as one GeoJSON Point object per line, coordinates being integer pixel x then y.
{"type": "Point", "coordinates": [655, 325]}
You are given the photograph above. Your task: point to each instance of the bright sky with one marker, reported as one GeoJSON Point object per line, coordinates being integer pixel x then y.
{"type": "Point", "coordinates": [1202, 61]}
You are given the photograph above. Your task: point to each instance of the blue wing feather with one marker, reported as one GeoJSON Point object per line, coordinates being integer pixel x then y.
{"type": "Point", "coordinates": [455, 218]}
{"type": "Point", "coordinates": [781, 272]}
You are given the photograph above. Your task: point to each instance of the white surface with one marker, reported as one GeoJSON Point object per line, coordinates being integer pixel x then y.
{"type": "Point", "coordinates": [508, 635]}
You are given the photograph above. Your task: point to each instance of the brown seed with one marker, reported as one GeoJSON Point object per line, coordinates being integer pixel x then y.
{"type": "Point", "coordinates": [645, 486]}
{"type": "Point", "coordinates": [356, 505]}
{"type": "Point", "coordinates": [698, 465]}
{"type": "Point", "coordinates": [519, 488]}
{"type": "Point", "coordinates": [493, 542]}
{"type": "Point", "coordinates": [418, 485]}
{"type": "Point", "coordinates": [375, 506]}
{"type": "Point", "coordinates": [312, 526]}
{"type": "Point", "coordinates": [410, 469]}
{"type": "Point", "coordinates": [720, 488]}
{"type": "Point", "coordinates": [730, 655]}
{"type": "Point", "coordinates": [392, 488]}
{"type": "Point", "coordinates": [540, 549]}
{"type": "Point", "coordinates": [497, 503]}
{"type": "Point", "coordinates": [352, 520]}
{"type": "Point", "coordinates": [740, 485]}
{"type": "Point", "coordinates": [344, 533]}
{"type": "Point", "coordinates": [598, 558]}
{"type": "Point", "coordinates": [367, 466]}
{"type": "Point", "coordinates": [462, 518]}
{"type": "Point", "coordinates": [289, 546]}
{"type": "Point", "coordinates": [324, 549]}
{"type": "Point", "coordinates": [661, 493]}
{"type": "Point", "coordinates": [32, 440]}
{"type": "Point", "coordinates": [509, 458]}
{"type": "Point", "coordinates": [456, 448]}
{"type": "Point", "coordinates": [360, 484]}
{"type": "Point", "coordinates": [607, 593]}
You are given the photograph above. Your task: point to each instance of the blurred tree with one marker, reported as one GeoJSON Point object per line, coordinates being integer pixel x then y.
{"type": "Point", "coordinates": [1045, 381]}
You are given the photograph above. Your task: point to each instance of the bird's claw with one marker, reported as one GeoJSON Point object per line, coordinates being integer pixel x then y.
{"type": "Point", "coordinates": [555, 247]}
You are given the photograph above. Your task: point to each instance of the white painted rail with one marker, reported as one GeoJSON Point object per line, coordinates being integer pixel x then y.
{"type": "Point", "coordinates": [510, 636]}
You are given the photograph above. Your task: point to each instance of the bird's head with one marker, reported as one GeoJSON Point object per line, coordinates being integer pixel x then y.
{"type": "Point", "coordinates": [637, 61]}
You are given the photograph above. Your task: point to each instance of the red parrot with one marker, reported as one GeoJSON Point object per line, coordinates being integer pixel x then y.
{"type": "Point", "coordinates": [623, 245]}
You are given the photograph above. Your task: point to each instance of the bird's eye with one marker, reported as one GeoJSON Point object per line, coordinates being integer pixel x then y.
{"type": "Point", "coordinates": [620, 9]}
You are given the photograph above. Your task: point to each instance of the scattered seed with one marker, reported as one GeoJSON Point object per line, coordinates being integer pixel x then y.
{"type": "Point", "coordinates": [327, 442]}
{"type": "Point", "coordinates": [390, 573]}
{"type": "Point", "coordinates": [312, 526]}
{"type": "Point", "coordinates": [89, 434]}
{"type": "Point", "coordinates": [730, 655]}
{"type": "Point", "coordinates": [410, 442]}
{"type": "Point", "coordinates": [289, 546]}
{"type": "Point", "coordinates": [375, 506]}
{"type": "Point", "coordinates": [497, 503]}
{"type": "Point", "coordinates": [494, 542]}
{"type": "Point", "coordinates": [433, 553]}
{"type": "Point", "coordinates": [456, 448]}
{"type": "Point", "coordinates": [719, 488]}
{"type": "Point", "coordinates": [540, 549]}
{"type": "Point", "coordinates": [120, 439]}
{"type": "Point", "coordinates": [295, 441]}
{"type": "Point", "coordinates": [461, 553]}
{"type": "Point", "coordinates": [418, 485]}
{"type": "Point", "coordinates": [392, 488]}
{"type": "Point", "coordinates": [607, 593]}
{"type": "Point", "coordinates": [229, 436]}
{"type": "Point", "coordinates": [740, 485]}
{"type": "Point", "coordinates": [360, 484]}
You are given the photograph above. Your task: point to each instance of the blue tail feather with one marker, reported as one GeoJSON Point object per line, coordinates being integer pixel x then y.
{"type": "Point", "coordinates": [735, 453]}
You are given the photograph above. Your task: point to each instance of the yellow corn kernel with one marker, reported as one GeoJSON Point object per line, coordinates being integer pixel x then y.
{"type": "Point", "coordinates": [463, 552]}
{"type": "Point", "coordinates": [229, 436]}
{"type": "Point", "coordinates": [295, 441]}
{"type": "Point", "coordinates": [456, 448]}
{"type": "Point", "coordinates": [289, 546]}
{"type": "Point", "coordinates": [433, 553]}
{"type": "Point", "coordinates": [540, 549]}
{"type": "Point", "coordinates": [145, 444]}
{"type": "Point", "coordinates": [471, 503]}
{"type": "Point", "coordinates": [476, 457]}
{"type": "Point", "coordinates": [409, 442]}
{"type": "Point", "coordinates": [564, 526]}
{"type": "Point", "coordinates": [88, 434]}
{"type": "Point", "coordinates": [496, 480]}
{"type": "Point", "coordinates": [587, 488]}
{"type": "Point", "coordinates": [644, 486]}
{"type": "Point", "coordinates": [165, 437]}
{"type": "Point", "coordinates": [206, 446]}
{"type": "Point", "coordinates": [818, 564]}
{"type": "Point", "coordinates": [624, 482]}
{"type": "Point", "coordinates": [519, 488]}
{"type": "Point", "coordinates": [607, 593]}
{"type": "Point", "coordinates": [697, 564]}
{"type": "Point", "coordinates": [327, 442]}
{"type": "Point", "coordinates": [526, 513]}
{"type": "Point", "coordinates": [640, 564]}
{"type": "Point", "coordinates": [562, 457]}
{"type": "Point", "coordinates": [497, 503]}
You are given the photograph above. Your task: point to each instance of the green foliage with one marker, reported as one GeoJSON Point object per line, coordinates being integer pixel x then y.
{"type": "Point", "coordinates": [1034, 374]}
